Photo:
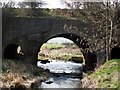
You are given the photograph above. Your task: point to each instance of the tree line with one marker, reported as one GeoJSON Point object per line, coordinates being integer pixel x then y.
{"type": "Point", "coordinates": [24, 8]}
{"type": "Point", "coordinates": [103, 15]}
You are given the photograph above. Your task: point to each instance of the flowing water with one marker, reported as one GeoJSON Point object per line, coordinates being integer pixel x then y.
{"type": "Point", "coordinates": [63, 74]}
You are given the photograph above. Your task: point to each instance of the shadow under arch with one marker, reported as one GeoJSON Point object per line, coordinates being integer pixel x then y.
{"type": "Point", "coordinates": [89, 55]}
{"type": "Point", "coordinates": [13, 51]}
{"type": "Point", "coordinates": [115, 53]}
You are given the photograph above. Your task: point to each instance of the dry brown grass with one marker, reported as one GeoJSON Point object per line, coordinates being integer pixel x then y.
{"type": "Point", "coordinates": [20, 75]}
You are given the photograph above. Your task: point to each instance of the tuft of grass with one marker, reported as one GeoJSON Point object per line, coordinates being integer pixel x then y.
{"type": "Point", "coordinates": [17, 72]}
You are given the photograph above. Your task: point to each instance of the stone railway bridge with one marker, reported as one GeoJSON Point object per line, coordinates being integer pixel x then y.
{"type": "Point", "coordinates": [31, 33]}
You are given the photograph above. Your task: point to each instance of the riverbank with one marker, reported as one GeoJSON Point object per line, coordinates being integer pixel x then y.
{"type": "Point", "coordinates": [16, 74]}
{"type": "Point", "coordinates": [106, 76]}
{"type": "Point", "coordinates": [61, 54]}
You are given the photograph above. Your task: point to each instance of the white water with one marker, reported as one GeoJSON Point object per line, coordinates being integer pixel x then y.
{"type": "Point", "coordinates": [63, 74]}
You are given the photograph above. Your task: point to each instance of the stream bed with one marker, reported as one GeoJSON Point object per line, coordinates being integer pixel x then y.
{"type": "Point", "coordinates": [62, 74]}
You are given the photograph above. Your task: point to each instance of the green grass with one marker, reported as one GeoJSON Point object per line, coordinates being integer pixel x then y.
{"type": "Point", "coordinates": [107, 75]}
{"type": "Point", "coordinates": [41, 57]}
{"type": "Point", "coordinates": [59, 51]}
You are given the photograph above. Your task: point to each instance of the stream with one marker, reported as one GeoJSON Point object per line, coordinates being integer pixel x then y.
{"type": "Point", "coordinates": [62, 74]}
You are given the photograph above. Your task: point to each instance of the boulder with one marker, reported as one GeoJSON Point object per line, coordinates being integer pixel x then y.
{"type": "Point", "coordinates": [45, 61]}
{"type": "Point", "coordinates": [49, 82]}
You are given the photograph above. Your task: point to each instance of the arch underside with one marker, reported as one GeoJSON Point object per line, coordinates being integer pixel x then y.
{"type": "Point", "coordinates": [31, 49]}
{"type": "Point", "coordinates": [89, 56]}
{"type": "Point", "coordinates": [79, 41]}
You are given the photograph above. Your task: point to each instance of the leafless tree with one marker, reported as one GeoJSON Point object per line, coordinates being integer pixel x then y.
{"type": "Point", "coordinates": [101, 14]}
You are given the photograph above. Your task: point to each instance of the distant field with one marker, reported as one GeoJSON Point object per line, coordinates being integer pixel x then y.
{"type": "Point", "coordinates": [52, 46]}
{"type": "Point", "coordinates": [59, 51]}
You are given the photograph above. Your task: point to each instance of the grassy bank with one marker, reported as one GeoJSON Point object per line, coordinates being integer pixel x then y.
{"type": "Point", "coordinates": [104, 77]}
{"type": "Point", "coordinates": [59, 52]}
{"type": "Point", "coordinates": [16, 74]}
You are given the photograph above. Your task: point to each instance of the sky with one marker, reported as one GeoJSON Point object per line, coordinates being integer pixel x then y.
{"type": "Point", "coordinates": [54, 4]}
{"type": "Point", "coordinates": [59, 40]}
{"type": "Point", "coordinates": [50, 3]}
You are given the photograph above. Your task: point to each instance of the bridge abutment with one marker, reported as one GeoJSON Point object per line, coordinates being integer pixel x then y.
{"type": "Point", "coordinates": [30, 53]}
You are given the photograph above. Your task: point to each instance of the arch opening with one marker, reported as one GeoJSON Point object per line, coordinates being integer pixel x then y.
{"type": "Point", "coordinates": [14, 51]}
{"type": "Point", "coordinates": [61, 57]}
{"type": "Point", "coordinates": [88, 55]}
{"type": "Point", "coordinates": [62, 47]}
{"type": "Point", "coordinates": [115, 53]}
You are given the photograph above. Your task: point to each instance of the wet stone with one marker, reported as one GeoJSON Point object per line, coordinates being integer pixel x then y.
{"type": "Point", "coordinates": [49, 82]}
{"type": "Point", "coordinates": [45, 61]}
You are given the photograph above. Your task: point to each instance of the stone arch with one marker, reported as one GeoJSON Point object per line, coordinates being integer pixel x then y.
{"type": "Point", "coordinates": [13, 51]}
{"type": "Point", "coordinates": [89, 55]}
{"type": "Point", "coordinates": [79, 41]}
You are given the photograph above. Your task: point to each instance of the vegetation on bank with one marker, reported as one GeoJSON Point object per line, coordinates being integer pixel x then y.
{"type": "Point", "coordinates": [16, 74]}
{"type": "Point", "coordinates": [52, 46]}
{"type": "Point", "coordinates": [60, 52]}
{"type": "Point", "coordinates": [104, 77]}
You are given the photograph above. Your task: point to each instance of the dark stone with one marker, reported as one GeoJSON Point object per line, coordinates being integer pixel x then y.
{"type": "Point", "coordinates": [49, 82]}
{"type": "Point", "coordinates": [45, 61]}
{"type": "Point", "coordinates": [24, 78]}
{"type": "Point", "coordinates": [47, 70]}
{"type": "Point", "coordinates": [35, 85]}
